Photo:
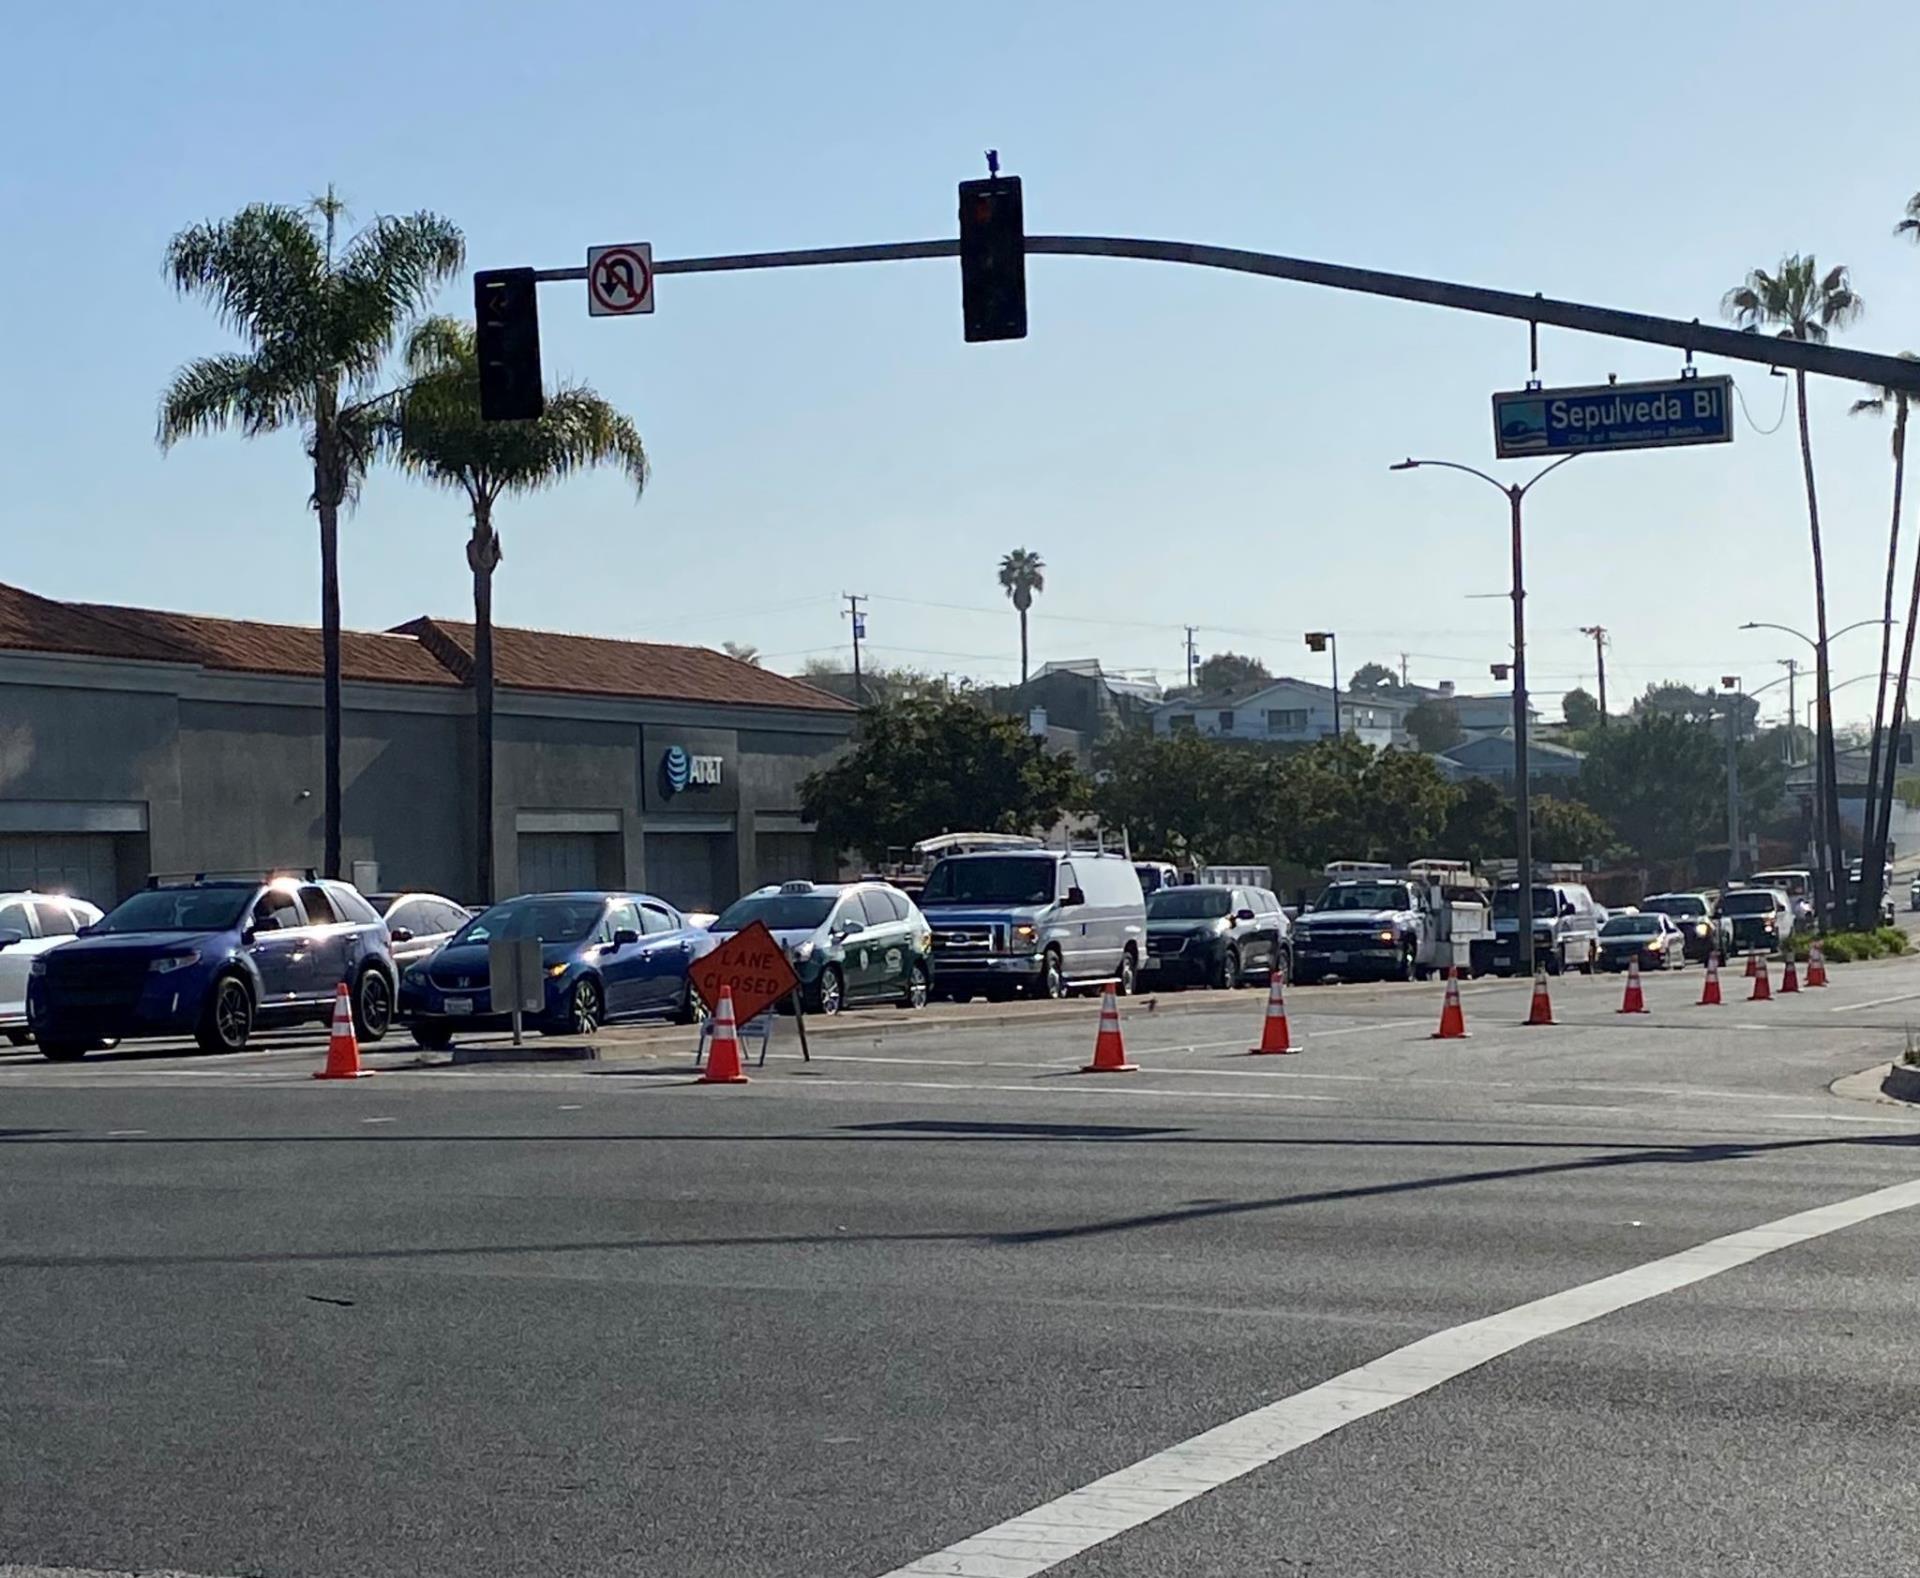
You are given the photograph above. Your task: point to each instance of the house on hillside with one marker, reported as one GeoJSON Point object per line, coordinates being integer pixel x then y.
{"type": "Point", "coordinates": [1078, 702]}
{"type": "Point", "coordinates": [1282, 711]}
{"type": "Point", "coordinates": [1490, 756]}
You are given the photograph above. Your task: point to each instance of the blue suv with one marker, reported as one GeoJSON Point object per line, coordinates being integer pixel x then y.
{"type": "Point", "coordinates": [607, 956]}
{"type": "Point", "coordinates": [214, 960]}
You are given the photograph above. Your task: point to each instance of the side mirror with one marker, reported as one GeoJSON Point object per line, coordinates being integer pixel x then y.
{"type": "Point", "coordinates": [251, 934]}
{"type": "Point", "coordinates": [1244, 915]}
{"type": "Point", "coordinates": [8, 937]}
{"type": "Point", "coordinates": [625, 937]}
{"type": "Point", "coordinates": [1075, 896]}
{"type": "Point", "coordinates": [848, 928]}
{"type": "Point", "coordinates": [401, 933]}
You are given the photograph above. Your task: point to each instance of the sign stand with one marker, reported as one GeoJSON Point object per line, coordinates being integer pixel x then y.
{"type": "Point", "coordinates": [759, 1028]}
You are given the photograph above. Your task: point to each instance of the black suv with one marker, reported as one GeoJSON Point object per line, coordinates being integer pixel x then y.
{"type": "Point", "coordinates": [1215, 936]}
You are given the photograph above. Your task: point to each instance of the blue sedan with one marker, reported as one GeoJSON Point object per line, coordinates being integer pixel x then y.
{"type": "Point", "coordinates": [607, 956]}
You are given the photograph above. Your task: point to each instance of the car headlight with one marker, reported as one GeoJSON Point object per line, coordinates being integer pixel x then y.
{"type": "Point", "coordinates": [1385, 935]}
{"type": "Point", "coordinates": [174, 961]}
{"type": "Point", "coordinates": [555, 971]}
{"type": "Point", "coordinates": [804, 952]}
{"type": "Point", "coordinates": [1700, 928]}
{"type": "Point", "coordinates": [38, 967]}
{"type": "Point", "coordinates": [1024, 935]}
{"type": "Point", "coordinates": [413, 973]}
{"type": "Point", "coordinates": [1768, 923]}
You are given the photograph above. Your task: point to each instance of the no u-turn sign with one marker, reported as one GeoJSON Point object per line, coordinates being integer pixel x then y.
{"type": "Point", "coordinates": [620, 279]}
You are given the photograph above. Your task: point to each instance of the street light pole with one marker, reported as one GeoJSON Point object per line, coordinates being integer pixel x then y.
{"type": "Point", "coordinates": [1731, 682]}
{"type": "Point", "coordinates": [1327, 641]}
{"type": "Point", "coordinates": [1522, 778]}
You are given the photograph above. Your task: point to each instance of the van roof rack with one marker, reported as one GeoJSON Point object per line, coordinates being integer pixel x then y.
{"type": "Point", "coordinates": [164, 879]}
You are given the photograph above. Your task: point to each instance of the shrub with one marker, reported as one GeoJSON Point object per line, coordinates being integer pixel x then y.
{"type": "Point", "coordinates": [1850, 947]}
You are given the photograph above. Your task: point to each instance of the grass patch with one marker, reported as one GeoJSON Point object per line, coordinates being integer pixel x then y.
{"type": "Point", "coordinates": [1848, 947]}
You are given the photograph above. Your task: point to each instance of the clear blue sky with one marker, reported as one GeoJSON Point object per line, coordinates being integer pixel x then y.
{"type": "Point", "coordinates": [1181, 446]}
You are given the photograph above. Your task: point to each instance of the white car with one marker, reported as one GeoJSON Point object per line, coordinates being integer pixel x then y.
{"type": "Point", "coordinates": [30, 925]}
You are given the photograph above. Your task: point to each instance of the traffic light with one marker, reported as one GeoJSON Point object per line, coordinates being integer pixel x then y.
{"type": "Point", "coordinates": [993, 259]}
{"type": "Point", "coordinates": [506, 315]}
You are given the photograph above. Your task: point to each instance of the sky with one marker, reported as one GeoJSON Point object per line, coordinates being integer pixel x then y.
{"type": "Point", "coordinates": [1181, 446]}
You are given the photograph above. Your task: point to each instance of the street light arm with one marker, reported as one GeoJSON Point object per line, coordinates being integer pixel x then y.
{"type": "Point", "coordinates": [1410, 464]}
{"type": "Point", "coordinates": [1858, 624]}
{"type": "Point", "coordinates": [1761, 624]}
{"type": "Point", "coordinates": [1527, 486]}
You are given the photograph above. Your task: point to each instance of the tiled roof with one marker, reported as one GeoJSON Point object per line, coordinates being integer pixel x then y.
{"type": "Point", "coordinates": [248, 647]}
{"type": "Point", "coordinates": [421, 652]}
{"type": "Point", "coordinates": [595, 666]}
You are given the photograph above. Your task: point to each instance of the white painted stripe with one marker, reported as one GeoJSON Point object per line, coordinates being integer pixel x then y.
{"type": "Point", "coordinates": [1871, 1002]}
{"type": "Point", "coordinates": [1092, 1085]}
{"type": "Point", "coordinates": [1110, 1506]}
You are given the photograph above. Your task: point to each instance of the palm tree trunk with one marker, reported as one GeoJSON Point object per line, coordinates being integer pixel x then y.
{"type": "Point", "coordinates": [1873, 843]}
{"type": "Point", "coordinates": [1890, 764]}
{"type": "Point", "coordinates": [1829, 811]}
{"type": "Point", "coordinates": [328, 491]}
{"type": "Point", "coordinates": [483, 555]}
{"type": "Point", "coordinates": [1023, 646]}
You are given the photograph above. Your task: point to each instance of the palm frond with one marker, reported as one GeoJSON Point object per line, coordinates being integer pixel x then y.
{"type": "Point", "coordinates": [580, 430]}
{"type": "Point", "coordinates": [261, 269]}
{"type": "Point", "coordinates": [439, 344]}
{"type": "Point", "coordinates": [389, 272]}
{"type": "Point", "coordinates": [216, 392]}
{"type": "Point", "coordinates": [1869, 405]}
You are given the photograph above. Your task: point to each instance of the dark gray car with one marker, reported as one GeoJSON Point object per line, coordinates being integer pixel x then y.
{"type": "Point", "coordinates": [1214, 935]}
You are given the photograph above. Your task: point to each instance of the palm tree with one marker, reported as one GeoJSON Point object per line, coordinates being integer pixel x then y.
{"type": "Point", "coordinates": [318, 321]}
{"type": "Point", "coordinates": [1022, 574]}
{"type": "Point", "coordinates": [436, 427]}
{"type": "Point", "coordinates": [1801, 303]}
{"type": "Point", "coordinates": [1882, 771]}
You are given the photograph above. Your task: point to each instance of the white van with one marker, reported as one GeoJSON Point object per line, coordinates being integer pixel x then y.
{"type": "Point", "coordinates": [1566, 929]}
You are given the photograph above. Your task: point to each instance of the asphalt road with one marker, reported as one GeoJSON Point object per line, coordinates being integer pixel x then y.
{"type": "Point", "coordinates": [598, 1320]}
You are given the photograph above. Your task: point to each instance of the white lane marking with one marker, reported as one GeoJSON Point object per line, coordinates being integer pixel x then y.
{"type": "Point", "coordinates": [1873, 1002]}
{"type": "Point", "coordinates": [1063, 1528]}
{"type": "Point", "coordinates": [570, 1106]}
{"type": "Point", "coordinates": [376, 1120]}
{"type": "Point", "coordinates": [123, 1134]}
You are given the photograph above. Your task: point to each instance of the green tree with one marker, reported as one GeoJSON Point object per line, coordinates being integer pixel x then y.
{"type": "Point", "coordinates": [1227, 671]}
{"type": "Point", "coordinates": [1660, 782]}
{"type": "Point", "coordinates": [1881, 771]}
{"type": "Point", "coordinates": [1801, 303]}
{"type": "Point", "coordinates": [1374, 679]}
{"type": "Point", "coordinates": [1022, 578]}
{"type": "Point", "coordinates": [318, 321]}
{"type": "Point", "coordinates": [1567, 829]}
{"type": "Point", "coordinates": [742, 652]}
{"type": "Point", "coordinates": [1580, 709]}
{"type": "Point", "coordinates": [436, 427]}
{"type": "Point", "coordinates": [1183, 796]}
{"type": "Point", "coordinates": [1434, 723]}
{"type": "Point", "coordinates": [928, 765]}
{"type": "Point", "coordinates": [1479, 823]}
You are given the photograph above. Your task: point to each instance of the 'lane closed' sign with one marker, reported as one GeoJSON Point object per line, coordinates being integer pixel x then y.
{"type": "Point", "coordinates": [752, 966]}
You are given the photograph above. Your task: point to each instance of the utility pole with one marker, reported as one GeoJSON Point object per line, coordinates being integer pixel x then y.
{"type": "Point", "coordinates": [859, 634]}
{"type": "Point", "coordinates": [1403, 670]}
{"type": "Point", "coordinates": [1599, 635]}
{"type": "Point", "coordinates": [1731, 682]}
{"type": "Point", "coordinates": [1792, 666]}
{"type": "Point", "coordinates": [1193, 656]}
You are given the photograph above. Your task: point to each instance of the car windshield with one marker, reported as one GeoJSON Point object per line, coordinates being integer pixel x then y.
{"type": "Point", "coordinates": [381, 902]}
{"type": "Point", "coordinates": [1748, 904]}
{"type": "Point", "coordinates": [1631, 926]}
{"type": "Point", "coordinates": [1188, 904]}
{"type": "Point", "coordinates": [1365, 896]}
{"type": "Point", "coordinates": [990, 879]}
{"type": "Point", "coordinates": [179, 909]}
{"type": "Point", "coordinates": [779, 911]}
{"type": "Point", "coordinates": [551, 920]}
{"type": "Point", "coordinates": [1507, 902]}
{"type": "Point", "coordinates": [1675, 904]}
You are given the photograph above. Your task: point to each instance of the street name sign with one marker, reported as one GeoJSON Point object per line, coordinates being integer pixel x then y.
{"type": "Point", "coordinates": [753, 966]}
{"type": "Point", "coordinates": [620, 279]}
{"type": "Point", "coordinates": [1613, 416]}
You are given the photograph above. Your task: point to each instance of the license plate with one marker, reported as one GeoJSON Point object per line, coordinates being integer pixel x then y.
{"type": "Point", "coordinates": [458, 1007]}
{"type": "Point", "coordinates": [1337, 958]}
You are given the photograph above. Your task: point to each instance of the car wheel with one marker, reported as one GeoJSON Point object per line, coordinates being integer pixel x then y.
{"type": "Point", "coordinates": [434, 1038]}
{"type": "Point", "coordinates": [1407, 969]}
{"type": "Point", "coordinates": [830, 994]}
{"type": "Point", "coordinates": [1130, 974]}
{"type": "Point", "coordinates": [20, 1038]}
{"type": "Point", "coordinates": [1556, 961]}
{"type": "Point", "coordinates": [372, 1004]}
{"type": "Point", "coordinates": [1053, 978]}
{"type": "Point", "coordinates": [63, 1051]}
{"type": "Point", "coordinates": [1227, 977]}
{"type": "Point", "coordinates": [693, 1007]}
{"type": "Point", "coordinates": [227, 1020]}
{"type": "Point", "coordinates": [1586, 967]}
{"type": "Point", "coordinates": [1282, 967]}
{"type": "Point", "coordinates": [584, 1008]}
{"type": "Point", "coordinates": [919, 988]}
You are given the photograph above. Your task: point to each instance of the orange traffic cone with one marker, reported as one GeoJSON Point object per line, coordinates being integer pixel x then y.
{"type": "Point", "coordinates": [723, 1051]}
{"type": "Point", "coordinates": [1109, 1051]}
{"type": "Point", "coordinates": [1633, 1002]}
{"type": "Point", "coordinates": [1790, 977]}
{"type": "Point", "coordinates": [343, 1047]}
{"type": "Point", "coordinates": [1453, 1023]}
{"type": "Point", "coordinates": [1816, 966]}
{"type": "Point", "coordinates": [1274, 1035]}
{"type": "Point", "coordinates": [1541, 1013]}
{"type": "Point", "coordinates": [1710, 992]}
{"type": "Point", "coordinates": [1753, 964]}
{"type": "Point", "coordinates": [1762, 986]}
